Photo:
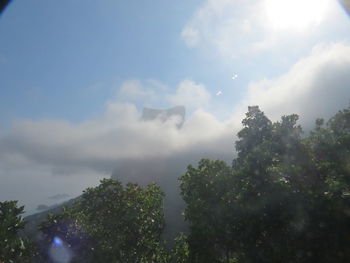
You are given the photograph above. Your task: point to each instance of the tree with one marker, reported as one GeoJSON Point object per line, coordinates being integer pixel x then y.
{"type": "Point", "coordinates": [329, 217]}
{"type": "Point", "coordinates": [180, 253]}
{"type": "Point", "coordinates": [265, 187]}
{"type": "Point", "coordinates": [111, 223]}
{"type": "Point", "coordinates": [13, 248]}
{"type": "Point", "coordinates": [286, 199]}
{"type": "Point", "coordinates": [204, 190]}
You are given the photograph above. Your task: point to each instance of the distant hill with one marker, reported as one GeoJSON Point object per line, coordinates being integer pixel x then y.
{"type": "Point", "coordinates": [33, 221]}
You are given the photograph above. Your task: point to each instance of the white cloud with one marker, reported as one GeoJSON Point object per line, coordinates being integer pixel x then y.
{"type": "Point", "coordinates": [316, 86]}
{"type": "Point", "coordinates": [211, 24]}
{"type": "Point", "coordinates": [191, 36]}
{"type": "Point", "coordinates": [133, 91]}
{"type": "Point", "coordinates": [98, 143]}
{"type": "Point", "coordinates": [190, 94]}
{"type": "Point", "coordinates": [152, 93]}
{"type": "Point", "coordinates": [38, 158]}
{"type": "Point", "coordinates": [235, 28]}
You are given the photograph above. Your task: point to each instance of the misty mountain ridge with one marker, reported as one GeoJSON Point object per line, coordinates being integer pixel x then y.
{"type": "Point", "coordinates": [141, 171]}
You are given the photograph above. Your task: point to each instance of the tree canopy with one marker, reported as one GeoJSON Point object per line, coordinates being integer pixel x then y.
{"type": "Point", "coordinates": [110, 223]}
{"type": "Point", "coordinates": [285, 199]}
{"type": "Point", "coordinates": [13, 248]}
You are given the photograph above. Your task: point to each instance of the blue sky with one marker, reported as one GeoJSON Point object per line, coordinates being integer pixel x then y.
{"type": "Point", "coordinates": [76, 74]}
{"type": "Point", "coordinates": [65, 59]}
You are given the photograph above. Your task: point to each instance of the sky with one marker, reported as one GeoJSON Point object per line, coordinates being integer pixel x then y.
{"type": "Point", "coordinates": [75, 76]}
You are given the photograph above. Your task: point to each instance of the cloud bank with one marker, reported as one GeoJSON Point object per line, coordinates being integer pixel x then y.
{"type": "Point", "coordinates": [316, 86]}
{"type": "Point", "coordinates": [52, 152]}
{"type": "Point", "coordinates": [42, 157]}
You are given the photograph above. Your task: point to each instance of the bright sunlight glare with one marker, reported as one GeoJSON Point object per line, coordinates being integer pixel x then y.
{"type": "Point", "coordinates": [295, 14]}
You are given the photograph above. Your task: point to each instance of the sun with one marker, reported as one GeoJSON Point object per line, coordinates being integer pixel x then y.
{"type": "Point", "coordinates": [294, 14]}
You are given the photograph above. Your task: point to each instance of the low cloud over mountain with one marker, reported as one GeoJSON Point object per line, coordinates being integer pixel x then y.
{"type": "Point", "coordinates": [41, 157]}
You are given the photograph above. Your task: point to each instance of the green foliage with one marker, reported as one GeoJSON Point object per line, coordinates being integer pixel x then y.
{"type": "Point", "coordinates": [286, 198]}
{"type": "Point", "coordinates": [180, 252]}
{"type": "Point", "coordinates": [13, 248]}
{"type": "Point", "coordinates": [111, 224]}
{"type": "Point", "coordinates": [206, 192]}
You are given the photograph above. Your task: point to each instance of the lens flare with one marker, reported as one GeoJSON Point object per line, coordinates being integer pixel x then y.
{"type": "Point", "coordinates": [59, 252]}
{"type": "Point", "coordinates": [57, 241]}
{"type": "Point", "coordinates": [346, 5]}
